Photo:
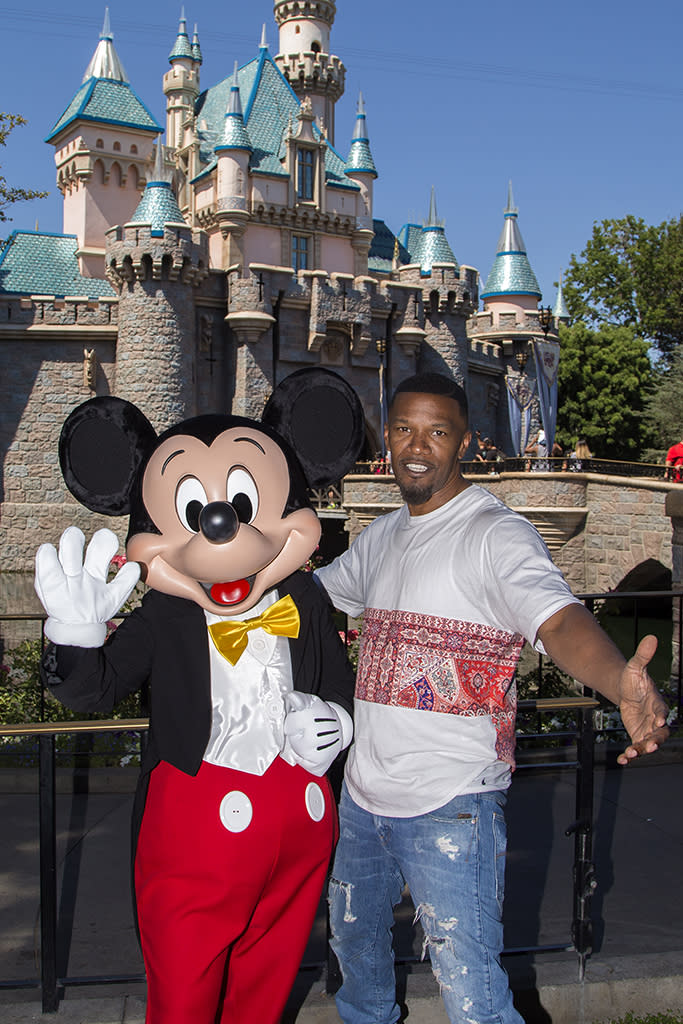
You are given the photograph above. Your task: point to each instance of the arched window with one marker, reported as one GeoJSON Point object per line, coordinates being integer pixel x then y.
{"type": "Point", "coordinates": [134, 149]}
{"type": "Point", "coordinates": [99, 144]}
{"type": "Point", "coordinates": [117, 147]}
{"type": "Point", "coordinates": [315, 47]}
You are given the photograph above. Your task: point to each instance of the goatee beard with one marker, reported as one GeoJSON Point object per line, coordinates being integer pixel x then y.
{"type": "Point", "coordinates": [415, 493]}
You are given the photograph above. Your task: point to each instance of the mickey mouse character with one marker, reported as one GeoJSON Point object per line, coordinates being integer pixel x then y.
{"type": "Point", "coordinates": [251, 692]}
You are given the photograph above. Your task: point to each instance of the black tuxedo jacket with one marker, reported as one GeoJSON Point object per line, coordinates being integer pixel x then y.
{"type": "Point", "coordinates": [165, 642]}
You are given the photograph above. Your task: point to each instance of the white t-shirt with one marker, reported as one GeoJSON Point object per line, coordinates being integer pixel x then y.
{"type": "Point", "coordinates": [447, 600]}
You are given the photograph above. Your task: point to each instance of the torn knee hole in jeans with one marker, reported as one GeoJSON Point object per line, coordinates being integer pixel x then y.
{"type": "Point", "coordinates": [345, 888]}
{"type": "Point", "coordinates": [438, 933]}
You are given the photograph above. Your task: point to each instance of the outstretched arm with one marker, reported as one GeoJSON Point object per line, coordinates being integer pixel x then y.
{"type": "Point", "coordinates": [578, 646]}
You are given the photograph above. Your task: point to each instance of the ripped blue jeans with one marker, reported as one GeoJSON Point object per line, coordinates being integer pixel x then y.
{"type": "Point", "coordinates": [453, 860]}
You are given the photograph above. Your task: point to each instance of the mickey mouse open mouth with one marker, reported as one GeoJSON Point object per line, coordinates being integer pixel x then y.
{"type": "Point", "coordinates": [230, 592]}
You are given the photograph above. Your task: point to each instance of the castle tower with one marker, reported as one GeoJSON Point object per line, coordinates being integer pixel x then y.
{"type": "Point", "coordinates": [511, 284]}
{"type": "Point", "coordinates": [181, 88]}
{"type": "Point", "coordinates": [154, 262]}
{"type": "Point", "coordinates": [448, 295]}
{"type": "Point", "coordinates": [360, 167]}
{"type": "Point", "coordinates": [103, 143]}
{"type": "Point", "coordinates": [304, 55]}
{"type": "Point", "coordinates": [233, 154]}
{"type": "Point", "coordinates": [509, 325]}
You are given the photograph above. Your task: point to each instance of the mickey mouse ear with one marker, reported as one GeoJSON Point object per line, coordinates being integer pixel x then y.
{"type": "Point", "coordinates": [321, 418]}
{"type": "Point", "coordinates": [102, 445]}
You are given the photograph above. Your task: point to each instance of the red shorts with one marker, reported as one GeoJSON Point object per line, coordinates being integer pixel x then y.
{"type": "Point", "coordinates": [228, 875]}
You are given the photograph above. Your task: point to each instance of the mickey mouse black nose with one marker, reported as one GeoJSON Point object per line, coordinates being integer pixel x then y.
{"type": "Point", "coordinates": [218, 522]}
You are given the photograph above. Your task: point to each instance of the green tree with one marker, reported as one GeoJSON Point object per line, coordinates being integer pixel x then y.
{"type": "Point", "coordinates": [630, 274]}
{"type": "Point", "coordinates": [664, 407]}
{"type": "Point", "coordinates": [604, 380]}
{"type": "Point", "coordinates": [9, 195]}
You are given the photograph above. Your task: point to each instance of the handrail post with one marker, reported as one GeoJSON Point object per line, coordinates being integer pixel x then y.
{"type": "Point", "coordinates": [584, 869]}
{"type": "Point", "coordinates": [48, 875]}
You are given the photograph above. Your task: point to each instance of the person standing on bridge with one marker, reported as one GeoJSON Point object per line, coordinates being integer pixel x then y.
{"type": "Point", "coordinates": [449, 586]}
{"type": "Point", "coordinates": [674, 463]}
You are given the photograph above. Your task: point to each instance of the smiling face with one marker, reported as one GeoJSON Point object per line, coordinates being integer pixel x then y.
{"type": "Point", "coordinates": [427, 435]}
{"type": "Point", "coordinates": [224, 538]}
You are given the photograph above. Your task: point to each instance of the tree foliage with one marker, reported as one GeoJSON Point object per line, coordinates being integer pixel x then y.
{"type": "Point", "coordinates": [630, 274]}
{"type": "Point", "coordinates": [604, 380]}
{"type": "Point", "coordinates": [8, 194]}
{"type": "Point", "coordinates": [664, 407]}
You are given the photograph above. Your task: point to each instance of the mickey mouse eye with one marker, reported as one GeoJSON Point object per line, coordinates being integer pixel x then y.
{"type": "Point", "coordinates": [190, 499]}
{"type": "Point", "coordinates": [243, 495]}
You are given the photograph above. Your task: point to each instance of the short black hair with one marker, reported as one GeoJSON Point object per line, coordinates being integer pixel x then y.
{"type": "Point", "coordinates": [434, 384]}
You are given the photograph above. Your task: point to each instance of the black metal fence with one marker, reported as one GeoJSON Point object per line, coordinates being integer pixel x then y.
{"type": "Point", "coordinates": [581, 735]}
{"type": "Point", "coordinates": [528, 464]}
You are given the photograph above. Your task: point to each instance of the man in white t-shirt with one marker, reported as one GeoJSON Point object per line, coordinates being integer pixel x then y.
{"type": "Point", "coordinates": [449, 586]}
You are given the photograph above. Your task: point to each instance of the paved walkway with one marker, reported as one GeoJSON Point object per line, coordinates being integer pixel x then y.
{"type": "Point", "coordinates": [638, 910]}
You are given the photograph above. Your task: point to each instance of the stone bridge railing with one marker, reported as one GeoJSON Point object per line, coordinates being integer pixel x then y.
{"type": "Point", "coordinates": [598, 527]}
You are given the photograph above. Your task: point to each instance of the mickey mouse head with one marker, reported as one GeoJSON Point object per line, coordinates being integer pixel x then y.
{"type": "Point", "coordinates": [218, 504]}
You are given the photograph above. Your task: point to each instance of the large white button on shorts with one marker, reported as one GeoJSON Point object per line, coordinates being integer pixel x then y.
{"type": "Point", "coordinates": [236, 811]}
{"type": "Point", "coordinates": [315, 801]}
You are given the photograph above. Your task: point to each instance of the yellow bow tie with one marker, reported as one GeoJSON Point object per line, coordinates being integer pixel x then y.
{"type": "Point", "coordinates": [230, 637]}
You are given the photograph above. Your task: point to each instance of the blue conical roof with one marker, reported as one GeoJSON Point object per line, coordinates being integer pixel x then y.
{"type": "Point", "coordinates": [235, 134]}
{"type": "Point", "coordinates": [158, 205]}
{"type": "Point", "coordinates": [360, 158]}
{"type": "Point", "coordinates": [105, 94]}
{"type": "Point", "coordinates": [560, 311]}
{"type": "Point", "coordinates": [511, 273]}
{"type": "Point", "coordinates": [432, 245]}
{"type": "Point", "coordinates": [182, 47]}
{"type": "Point", "coordinates": [196, 48]}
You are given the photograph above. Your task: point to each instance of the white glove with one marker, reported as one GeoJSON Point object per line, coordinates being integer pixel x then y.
{"type": "Point", "coordinates": [315, 731]}
{"type": "Point", "coordinates": [75, 593]}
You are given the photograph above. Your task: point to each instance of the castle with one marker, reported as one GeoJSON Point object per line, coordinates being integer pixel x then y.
{"type": "Point", "coordinates": [192, 276]}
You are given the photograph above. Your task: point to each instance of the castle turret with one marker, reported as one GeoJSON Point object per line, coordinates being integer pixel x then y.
{"type": "Point", "coordinates": [360, 167]}
{"type": "Point", "coordinates": [103, 144]}
{"type": "Point", "coordinates": [432, 246]}
{"type": "Point", "coordinates": [233, 154]}
{"type": "Point", "coordinates": [511, 282]}
{"type": "Point", "coordinates": [305, 58]}
{"type": "Point", "coordinates": [560, 311]}
{"type": "Point", "coordinates": [154, 262]}
{"type": "Point", "coordinates": [181, 86]}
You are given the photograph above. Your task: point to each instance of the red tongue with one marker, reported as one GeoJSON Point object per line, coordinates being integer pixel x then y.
{"type": "Point", "coordinates": [229, 593]}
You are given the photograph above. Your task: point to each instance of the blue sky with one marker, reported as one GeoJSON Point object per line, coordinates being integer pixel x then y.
{"type": "Point", "coordinates": [580, 106]}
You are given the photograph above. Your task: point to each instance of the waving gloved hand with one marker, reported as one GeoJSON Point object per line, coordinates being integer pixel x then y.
{"type": "Point", "coordinates": [315, 731]}
{"type": "Point", "coordinates": [74, 592]}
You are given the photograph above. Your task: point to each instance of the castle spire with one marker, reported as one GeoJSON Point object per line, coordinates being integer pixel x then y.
{"type": "Point", "coordinates": [105, 62]}
{"type": "Point", "coordinates": [196, 48]}
{"type": "Point", "coordinates": [235, 134]}
{"type": "Point", "coordinates": [432, 245]}
{"type": "Point", "coordinates": [182, 49]}
{"type": "Point", "coordinates": [560, 311]}
{"type": "Point", "coordinates": [360, 158]}
{"type": "Point", "coordinates": [511, 273]}
{"type": "Point", "coordinates": [263, 45]}
{"type": "Point", "coordinates": [158, 205]}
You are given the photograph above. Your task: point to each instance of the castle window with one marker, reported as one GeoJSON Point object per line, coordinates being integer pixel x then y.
{"type": "Point", "coordinates": [304, 176]}
{"type": "Point", "coordinates": [134, 149]}
{"type": "Point", "coordinates": [117, 147]}
{"type": "Point", "coordinates": [99, 144]}
{"type": "Point", "coordinates": [300, 252]}
{"type": "Point", "coordinates": [315, 47]}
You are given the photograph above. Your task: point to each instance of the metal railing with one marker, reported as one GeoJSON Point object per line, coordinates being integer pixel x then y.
{"type": "Point", "coordinates": [50, 983]}
{"type": "Point", "coordinates": [583, 874]}
{"type": "Point", "coordinates": [528, 464]}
